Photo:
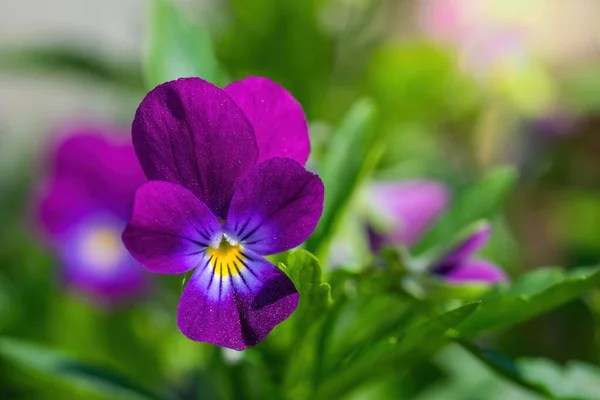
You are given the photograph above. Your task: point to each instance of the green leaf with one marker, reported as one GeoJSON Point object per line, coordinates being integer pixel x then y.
{"type": "Point", "coordinates": [348, 157]}
{"type": "Point", "coordinates": [406, 347]}
{"type": "Point", "coordinates": [481, 201]}
{"type": "Point", "coordinates": [501, 365]}
{"type": "Point", "coordinates": [574, 381]}
{"type": "Point", "coordinates": [51, 365]}
{"type": "Point", "coordinates": [70, 60]}
{"type": "Point", "coordinates": [534, 294]}
{"type": "Point", "coordinates": [307, 274]}
{"type": "Point", "coordinates": [178, 48]}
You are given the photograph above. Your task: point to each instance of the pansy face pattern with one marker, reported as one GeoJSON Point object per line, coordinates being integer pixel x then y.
{"type": "Point", "coordinates": [227, 188]}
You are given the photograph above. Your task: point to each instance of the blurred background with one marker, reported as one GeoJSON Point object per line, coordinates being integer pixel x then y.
{"type": "Point", "coordinates": [459, 87]}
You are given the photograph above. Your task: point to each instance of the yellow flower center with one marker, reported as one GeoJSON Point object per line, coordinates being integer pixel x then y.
{"type": "Point", "coordinates": [226, 258]}
{"type": "Point", "coordinates": [102, 248]}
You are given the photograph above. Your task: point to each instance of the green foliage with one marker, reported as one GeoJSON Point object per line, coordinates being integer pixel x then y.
{"type": "Point", "coordinates": [70, 61]}
{"type": "Point", "coordinates": [349, 160]}
{"type": "Point", "coordinates": [574, 381]}
{"type": "Point", "coordinates": [282, 40]}
{"type": "Point", "coordinates": [307, 274]}
{"type": "Point", "coordinates": [48, 366]}
{"type": "Point", "coordinates": [418, 82]}
{"type": "Point", "coordinates": [394, 353]}
{"type": "Point", "coordinates": [482, 200]}
{"type": "Point", "coordinates": [534, 294]}
{"type": "Point", "coordinates": [178, 48]}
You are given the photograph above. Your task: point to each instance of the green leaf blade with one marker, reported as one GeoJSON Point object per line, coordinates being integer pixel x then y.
{"type": "Point", "coordinates": [177, 48]}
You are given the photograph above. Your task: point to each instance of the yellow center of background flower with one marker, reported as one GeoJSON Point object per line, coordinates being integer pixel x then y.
{"type": "Point", "coordinates": [226, 259]}
{"type": "Point", "coordinates": [102, 248]}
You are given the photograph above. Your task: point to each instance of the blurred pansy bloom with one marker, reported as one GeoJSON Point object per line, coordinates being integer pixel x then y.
{"type": "Point", "coordinates": [459, 266]}
{"type": "Point", "coordinates": [84, 205]}
{"type": "Point", "coordinates": [399, 213]}
{"type": "Point", "coordinates": [227, 187]}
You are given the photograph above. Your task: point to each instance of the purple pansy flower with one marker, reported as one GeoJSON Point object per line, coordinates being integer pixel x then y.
{"type": "Point", "coordinates": [85, 204]}
{"type": "Point", "coordinates": [227, 187]}
{"type": "Point", "coordinates": [410, 208]}
{"type": "Point", "coordinates": [457, 265]}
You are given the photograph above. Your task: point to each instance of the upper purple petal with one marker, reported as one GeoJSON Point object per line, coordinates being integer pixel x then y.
{"type": "Point", "coordinates": [409, 206]}
{"type": "Point", "coordinates": [169, 229]}
{"type": "Point", "coordinates": [278, 120]}
{"type": "Point", "coordinates": [63, 204]}
{"type": "Point", "coordinates": [276, 207]}
{"type": "Point", "coordinates": [90, 170]}
{"type": "Point", "coordinates": [103, 160]}
{"type": "Point", "coordinates": [191, 133]}
{"type": "Point", "coordinates": [472, 271]}
{"type": "Point", "coordinates": [467, 247]}
{"type": "Point", "coordinates": [238, 309]}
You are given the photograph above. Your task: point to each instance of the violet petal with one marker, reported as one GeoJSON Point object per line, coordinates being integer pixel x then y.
{"type": "Point", "coordinates": [169, 229]}
{"type": "Point", "coordinates": [191, 133]}
{"type": "Point", "coordinates": [278, 120]}
{"type": "Point", "coordinates": [105, 167]}
{"type": "Point", "coordinates": [474, 270]}
{"type": "Point", "coordinates": [276, 207]}
{"type": "Point", "coordinates": [237, 308]}
{"type": "Point", "coordinates": [468, 246]}
{"type": "Point", "coordinates": [410, 206]}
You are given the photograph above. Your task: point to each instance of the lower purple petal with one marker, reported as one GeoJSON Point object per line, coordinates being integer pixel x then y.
{"type": "Point", "coordinates": [96, 264]}
{"type": "Point", "coordinates": [237, 308]}
{"type": "Point", "coordinates": [170, 228]}
{"type": "Point", "coordinates": [473, 271]}
{"type": "Point", "coordinates": [276, 207]}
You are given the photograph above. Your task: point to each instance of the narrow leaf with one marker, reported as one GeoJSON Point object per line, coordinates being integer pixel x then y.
{"type": "Point", "coordinates": [481, 201]}
{"type": "Point", "coordinates": [178, 48]}
{"type": "Point", "coordinates": [51, 364]}
{"type": "Point", "coordinates": [343, 167]}
{"type": "Point", "coordinates": [531, 296]}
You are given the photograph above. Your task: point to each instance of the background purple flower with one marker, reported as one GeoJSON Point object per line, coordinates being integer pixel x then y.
{"type": "Point", "coordinates": [84, 204]}
{"type": "Point", "coordinates": [458, 265]}
{"type": "Point", "coordinates": [233, 190]}
{"type": "Point", "coordinates": [409, 208]}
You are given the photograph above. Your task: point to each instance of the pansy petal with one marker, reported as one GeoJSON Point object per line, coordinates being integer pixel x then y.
{"type": "Point", "coordinates": [408, 207]}
{"type": "Point", "coordinates": [103, 161]}
{"type": "Point", "coordinates": [276, 207]}
{"type": "Point", "coordinates": [169, 229]}
{"type": "Point", "coordinates": [62, 204]}
{"type": "Point", "coordinates": [191, 133]}
{"type": "Point", "coordinates": [473, 271]}
{"type": "Point", "coordinates": [235, 304]}
{"type": "Point", "coordinates": [465, 248]}
{"type": "Point", "coordinates": [278, 120]}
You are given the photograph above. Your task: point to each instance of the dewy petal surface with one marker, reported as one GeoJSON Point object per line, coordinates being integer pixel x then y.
{"type": "Point", "coordinates": [474, 270]}
{"type": "Point", "coordinates": [278, 120]}
{"type": "Point", "coordinates": [409, 206]}
{"type": "Point", "coordinates": [276, 207]}
{"type": "Point", "coordinates": [235, 304]}
{"type": "Point", "coordinates": [169, 229]}
{"type": "Point", "coordinates": [191, 133]}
